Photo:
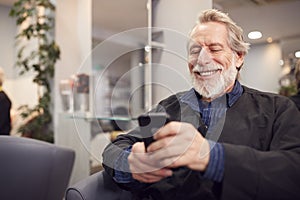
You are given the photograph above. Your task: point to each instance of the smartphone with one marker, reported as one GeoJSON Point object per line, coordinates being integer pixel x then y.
{"type": "Point", "coordinates": [149, 123]}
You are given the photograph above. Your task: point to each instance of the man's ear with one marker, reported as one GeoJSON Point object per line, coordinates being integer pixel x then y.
{"type": "Point", "coordinates": [239, 60]}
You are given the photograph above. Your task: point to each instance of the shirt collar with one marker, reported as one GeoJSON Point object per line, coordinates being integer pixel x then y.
{"type": "Point", "coordinates": [193, 99]}
{"type": "Point", "coordinates": [235, 93]}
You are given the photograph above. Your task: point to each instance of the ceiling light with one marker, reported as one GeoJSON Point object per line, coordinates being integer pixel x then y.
{"type": "Point", "coordinates": [147, 48]}
{"type": "Point", "coordinates": [269, 40]}
{"type": "Point", "coordinates": [253, 35]}
{"type": "Point", "coordinates": [281, 62]}
{"type": "Point", "coordinates": [297, 54]}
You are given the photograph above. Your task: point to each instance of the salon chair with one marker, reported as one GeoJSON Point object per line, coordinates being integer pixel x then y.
{"type": "Point", "coordinates": [33, 170]}
{"type": "Point", "coordinates": [98, 186]}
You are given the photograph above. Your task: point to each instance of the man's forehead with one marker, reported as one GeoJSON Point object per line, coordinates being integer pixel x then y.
{"type": "Point", "coordinates": [209, 33]}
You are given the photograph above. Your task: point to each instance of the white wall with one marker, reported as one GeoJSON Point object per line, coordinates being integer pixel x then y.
{"type": "Point", "coordinates": [261, 69]}
{"type": "Point", "coordinates": [7, 33]}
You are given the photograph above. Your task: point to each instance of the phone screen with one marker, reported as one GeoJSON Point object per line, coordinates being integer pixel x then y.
{"type": "Point", "coordinates": [150, 123]}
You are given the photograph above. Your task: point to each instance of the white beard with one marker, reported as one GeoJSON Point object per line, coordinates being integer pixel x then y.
{"type": "Point", "coordinates": [215, 87]}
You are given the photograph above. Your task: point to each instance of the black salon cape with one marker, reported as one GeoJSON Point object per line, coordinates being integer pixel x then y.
{"type": "Point", "coordinates": [296, 99]}
{"type": "Point", "coordinates": [261, 139]}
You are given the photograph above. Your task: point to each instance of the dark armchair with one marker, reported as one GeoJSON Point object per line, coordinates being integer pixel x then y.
{"type": "Point", "coordinates": [33, 170]}
{"type": "Point", "coordinates": [98, 186]}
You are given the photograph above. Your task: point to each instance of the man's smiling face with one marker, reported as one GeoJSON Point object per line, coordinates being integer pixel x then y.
{"type": "Point", "coordinates": [212, 63]}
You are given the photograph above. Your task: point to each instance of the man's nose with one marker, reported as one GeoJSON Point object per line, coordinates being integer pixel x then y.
{"type": "Point", "coordinates": [204, 57]}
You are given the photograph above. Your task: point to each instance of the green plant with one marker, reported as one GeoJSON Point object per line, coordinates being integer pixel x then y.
{"type": "Point", "coordinates": [37, 53]}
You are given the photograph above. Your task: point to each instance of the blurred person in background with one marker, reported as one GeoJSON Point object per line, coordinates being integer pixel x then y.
{"type": "Point", "coordinates": [5, 107]}
{"type": "Point", "coordinates": [296, 97]}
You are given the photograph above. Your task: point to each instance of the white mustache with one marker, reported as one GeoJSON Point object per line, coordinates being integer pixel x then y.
{"type": "Point", "coordinates": [206, 68]}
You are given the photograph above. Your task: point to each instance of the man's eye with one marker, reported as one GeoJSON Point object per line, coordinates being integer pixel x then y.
{"type": "Point", "coordinates": [195, 51]}
{"type": "Point", "coordinates": [215, 50]}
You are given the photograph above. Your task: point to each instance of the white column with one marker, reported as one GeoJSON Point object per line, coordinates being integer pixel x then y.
{"type": "Point", "coordinates": [136, 82]}
{"type": "Point", "coordinates": [73, 35]}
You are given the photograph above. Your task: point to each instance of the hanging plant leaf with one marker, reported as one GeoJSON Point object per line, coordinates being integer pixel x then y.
{"type": "Point", "coordinates": [41, 60]}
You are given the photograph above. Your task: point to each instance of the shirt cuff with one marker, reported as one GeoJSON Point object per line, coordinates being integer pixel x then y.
{"type": "Point", "coordinates": [215, 168]}
{"type": "Point", "coordinates": [121, 168]}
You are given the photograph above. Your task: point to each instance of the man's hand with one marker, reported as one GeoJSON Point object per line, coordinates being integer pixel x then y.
{"type": "Point", "coordinates": [143, 168]}
{"type": "Point", "coordinates": [180, 144]}
{"type": "Point", "coordinates": [176, 144]}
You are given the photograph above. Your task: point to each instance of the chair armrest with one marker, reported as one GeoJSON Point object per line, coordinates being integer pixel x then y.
{"type": "Point", "coordinates": [95, 187]}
